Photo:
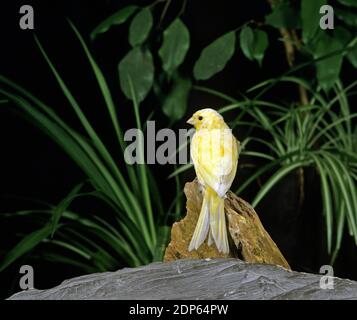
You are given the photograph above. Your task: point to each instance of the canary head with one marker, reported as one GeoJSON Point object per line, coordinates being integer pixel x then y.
{"type": "Point", "coordinates": [207, 119]}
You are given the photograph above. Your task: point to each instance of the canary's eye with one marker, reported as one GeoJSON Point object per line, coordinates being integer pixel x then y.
{"type": "Point", "coordinates": [200, 118]}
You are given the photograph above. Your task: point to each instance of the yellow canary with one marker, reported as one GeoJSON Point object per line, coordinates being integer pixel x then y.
{"type": "Point", "coordinates": [214, 152]}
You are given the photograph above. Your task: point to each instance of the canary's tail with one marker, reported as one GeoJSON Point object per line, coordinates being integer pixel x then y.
{"type": "Point", "coordinates": [212, 219]}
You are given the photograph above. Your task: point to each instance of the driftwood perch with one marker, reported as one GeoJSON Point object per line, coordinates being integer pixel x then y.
{"type": "Point", "coordinates": [247, 236]}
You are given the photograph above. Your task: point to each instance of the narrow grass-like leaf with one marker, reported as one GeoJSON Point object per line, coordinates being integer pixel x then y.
{"type": "Point", "coordinates": [25, 245]}
{"type": "Point", "coordinates": [164, 233]}
{"type": "Point", "coordinates": [61, 259]}
{"type": "Point", "coordinates": [281, 173]}
{"type": "Point", "coordinates": [63, 205]}
{"type": "Point", "coordinates": [142, 169]}
{"type": "Point", "coordinates": [341, 219]}
{"type": "Point", "coordinates": [109, 103]}
{"type": "Point", "coordinates": [326, 198]}
{"type": "Point", "coordinates": [263, 170]}
{"type": "Point", "coordinates": [258, 155]}
{"type": "Point", "coordinates": [94, 136]}
{"type": "Point", "coordinates": [215, 93]}
{"type": "Point", "coordinates": [346, 189]}
{"type": "Point", "coordinates": [181, 169]}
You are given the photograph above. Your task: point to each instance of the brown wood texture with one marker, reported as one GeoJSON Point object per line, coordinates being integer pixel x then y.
{"type": "Point", "coordinates": [248, 239]}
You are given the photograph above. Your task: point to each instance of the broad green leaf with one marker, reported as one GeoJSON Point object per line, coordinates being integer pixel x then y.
{"type": "Point", "coordinates": [25, 245]}
{"type": "Point", "coordinates": [328, 69]}
{"type": "Point", "coordinates": [140, 27]}
{"type": "Point", "coordinates": [174, 46]}
{"type": "Point", "coordinates": [175, 104]}
{"type": "Point", "coordinates": [349, 3]}
{"type": "Point", "coordinates": [283, 16]}
{"type": "Point", "coordinates": [260, 44]}
{"type": "Point", "coordinates": [246, 41]}
{"type": "Point", "coordinates": [342, 35]}
{"type": "Point", "coordinates": [215, 56]}
{"type": "Point", "coordinates": [310, 18]}
{"type": "Point", "coordinates": [347, 17]}
{"type": "Point", "coordinates": [352, 56]}
{"type": "Point", "coordinates": [117, 18]}
{"type": "Point", "coordinates": [138, 65]}
{"type": "Point", "coordinates": [253, 43]}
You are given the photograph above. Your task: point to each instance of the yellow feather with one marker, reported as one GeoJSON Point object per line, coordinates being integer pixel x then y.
{"type": "Point", "coordinates": [214, 151]}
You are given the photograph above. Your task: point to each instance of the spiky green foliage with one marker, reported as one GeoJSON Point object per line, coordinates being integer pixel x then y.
{"type": "Point", "coordinates": [136, 233]}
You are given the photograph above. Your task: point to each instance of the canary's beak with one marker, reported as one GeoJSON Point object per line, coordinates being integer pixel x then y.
{"type": "Point", "coordinates": [191, 121]}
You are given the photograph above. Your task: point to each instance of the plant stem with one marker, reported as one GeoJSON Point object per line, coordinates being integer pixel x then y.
{"type": "Point", "coordinates": [290, 38]}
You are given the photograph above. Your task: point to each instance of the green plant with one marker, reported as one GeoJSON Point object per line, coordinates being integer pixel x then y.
{"type": "Point", "coordinates": [319, 134]}
{"type": "Point", "coordinates": [136, 233]}
{"type": "Point", "coordinates": [316, 131]}
{"type": "Point", "coordinates": [170, 86]}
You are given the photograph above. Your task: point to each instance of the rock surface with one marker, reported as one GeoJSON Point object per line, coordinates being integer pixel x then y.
{"type": "Point", "coordinates": [248, 238]}
{"type": "Point", "coordinates": [197, 279]}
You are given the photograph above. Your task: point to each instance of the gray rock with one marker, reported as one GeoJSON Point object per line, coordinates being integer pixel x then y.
{"type": "Point", "coordinates": [196, 279]}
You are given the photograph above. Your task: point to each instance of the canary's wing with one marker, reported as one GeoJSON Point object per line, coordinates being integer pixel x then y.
{"type": "Point", "coordinates": [215, 157]}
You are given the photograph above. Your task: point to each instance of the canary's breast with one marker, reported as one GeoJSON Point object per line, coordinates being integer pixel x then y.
{"type": "Point", "coordinates": [215, 156]}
